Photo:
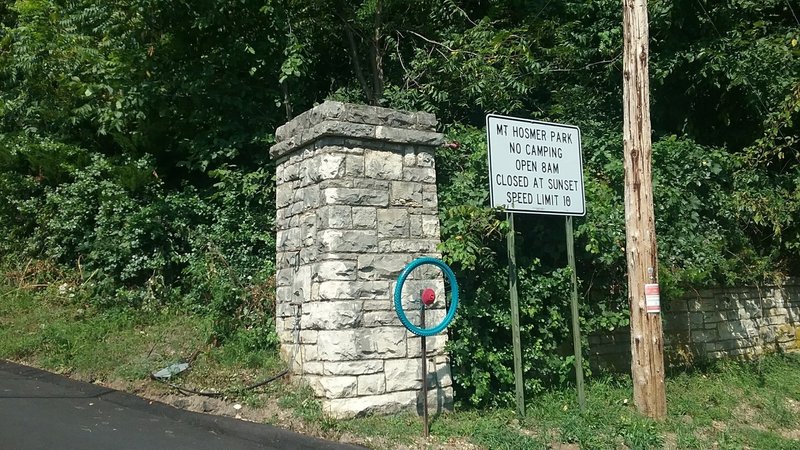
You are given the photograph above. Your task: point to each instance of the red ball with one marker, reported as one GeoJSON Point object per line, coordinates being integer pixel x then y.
{"type": "Point", "coordinates": [428, 296]}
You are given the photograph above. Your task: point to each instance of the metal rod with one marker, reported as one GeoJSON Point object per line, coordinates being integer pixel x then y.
{"type": "Point", "coordinates": [425, 430]}
{"type": "Point", "coordinates": [512, 289]}
{"type": "Point", "coordinates": [576, 327]}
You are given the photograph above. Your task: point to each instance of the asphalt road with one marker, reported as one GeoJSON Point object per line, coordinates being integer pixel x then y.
{"type": "Point", "coordinates": [41, 410]}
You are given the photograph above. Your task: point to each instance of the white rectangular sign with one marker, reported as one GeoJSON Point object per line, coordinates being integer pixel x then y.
{"type": "Point", "coordinates": [535, 167]}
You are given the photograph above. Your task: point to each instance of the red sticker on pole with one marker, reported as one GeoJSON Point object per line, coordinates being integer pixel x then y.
{"type": "Point", "coordinates": [652, 298]}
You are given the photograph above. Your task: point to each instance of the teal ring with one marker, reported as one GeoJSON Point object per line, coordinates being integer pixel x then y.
{"type": "Point", "coordinates": [398, 291]}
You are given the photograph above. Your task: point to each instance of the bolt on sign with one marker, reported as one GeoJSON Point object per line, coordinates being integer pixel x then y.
{"type": "Point", "coordinates": [535, 167]}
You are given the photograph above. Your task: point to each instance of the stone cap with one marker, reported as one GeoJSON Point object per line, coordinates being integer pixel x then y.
{"type": "Point", "coordinates": [347, 120]}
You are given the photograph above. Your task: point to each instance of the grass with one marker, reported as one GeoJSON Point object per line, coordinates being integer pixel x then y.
{"type": "Point", "coordinates": [727, 406]}
{"type": "Point", "coordinates": [52, 326]}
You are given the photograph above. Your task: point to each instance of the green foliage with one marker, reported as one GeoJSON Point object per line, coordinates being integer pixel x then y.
{"type": "Point", "coordinates": [133, 143]}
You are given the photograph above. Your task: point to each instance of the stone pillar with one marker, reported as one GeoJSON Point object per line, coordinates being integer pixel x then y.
{"type": "Point", "coordinates": [356, 201]}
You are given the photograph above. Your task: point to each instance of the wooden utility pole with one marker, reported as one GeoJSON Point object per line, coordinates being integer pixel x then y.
{"type": "Point", "coordinates": [647, 343]}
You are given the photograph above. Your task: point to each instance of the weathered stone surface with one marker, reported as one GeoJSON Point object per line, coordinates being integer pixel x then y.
{"type": "Point", "coordinates": [365, 217]}
{"type": "Point", "coordinates": [381, 266]}
{"type": "Point", "coordinates": [308, 336]}
{"type": "Point", "coordinates": [403, 374]}
{"type": "Point", "coordinates": [371, 384]}
{"type": "Point", "coordinates": [355, 197]}
{"type": "Point", "coordinates": [389, 403]}
{"type": "Point", "coordinates": [434, 345]}
{"type": "Point", "coordinates": [429, 197]}
{"type": "Point", "coordinates": [380, 305]}
{"type": "Point", "coordinates": [346, 290]}
{"type": "Point", "coordinates": [393, 223]}
{"type": "Point", "coordinates": [388, 342]}
{"type": "Point", "coordinates": [330, 165]}
{"type": "Point", "coordinates": [312, 368]}
{"type": "Point", "coordinates": [360, 367]}
{"type": "Point", "coordinates": [333, 386]}
{"type": "Point", "coordinates": [332, 315]}
{"type": "Point", "coordinates": [348, 240]}
{"type": "Point", "coordinates": [425, 159]}
{"type": "Point", "coordinates": [409, 158]}
{"type": "Point", "coordinates": [407, 194]}
{"type": "Point", "coordinates": [416, 246]}
{"type": "Point", "coordinates": [335, 216]}
{"type": "Point", "coordinates": [430, 227]}
{"type": "Point", "coordinates": [380, 319]}
{"type": "Point", "coordinates": [337, 345]}
{"type": "Point", "coordinates": [411, 136]}
{"type": "Point", "coordinates": [383, 165]}
{"type": "Point", "coordinates": [420, 174]}
{"type": "Point", "coordinates": [336, 270]}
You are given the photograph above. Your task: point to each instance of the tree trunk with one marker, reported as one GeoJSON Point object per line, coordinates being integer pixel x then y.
{"type": "Point", "coordinates": [647, 345]}
{"type": "Point", "coordinates": [353, 51]}
{"type": "Point", "coordinates": [377, 55]}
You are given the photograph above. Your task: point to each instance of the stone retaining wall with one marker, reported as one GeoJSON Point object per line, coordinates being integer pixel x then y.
{"type": "Point", "coordinates": [356, 201]}
{"type": "Point", "coordinates": [714, 323]}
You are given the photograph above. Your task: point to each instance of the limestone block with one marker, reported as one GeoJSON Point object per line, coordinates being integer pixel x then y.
{"type": "Point", "coordinates": [284, 293]}
{"type": "Point", "coordinates": [731, 344]}
{"type": "Point", "coordinates": [369, 183]}
{"type": "Point", "coordinates": [334, 315]}
{"type": "Point", "coordinates": [308, 197]}
{"type": "Point", "coordinates": [365, 217]}
{"type": "Point", "coordinates": [346, 290]}
{"type": "Point", "coordinates": [283, 277]}
{"type": "Point", "coordinates": [439, 400]}
{"type": "Point", "coordinates": [380, 319]}
{"type": "Point", "coordinates": [425, 159]}
{"type": "Point", "coordinates": [334, 216]}
{"type": "Point", "coordinates": [360, 367]}
{"type": "Point", "coordinates": [420, 174]}
{"type": "Point", "coordinates": [732, 330]}
{"type": "Point", "coordinates": [310, 352]}
{"type": "Point", "coordinates": [442, 375]}
{"type": "Point", "coordinates": [284, 195]}
{"type": "Point", "coordinates": [311, 368]}
{"type": "Point", "coordinates": [337, 345]}
{"type": "Point", "coordinates": [372, 384]}
{"type": "Point", "coordinates": [330, 165]}
{"type": "Point", "coordinates": [288, 240]}
{"type": "Point", "coordinates": [419, 246]}
{"type": "Point", "coordinates": [381, 266]}
{"type": "Point", "coordinates": [385, 304]}
{"type": "Point", "coordinates": [333, 387]}
{"type": "Point", "coordinates": [430, 227]}
{"type": "Point", "coordinates": [348, 240]}
{"type": "Point", "coordinates": [430, 199]}
{"type": "Point", "coordinates": [409, 158]}
{"type": "Point", "coordinates": [705, 336]}
{"type": "Point", "coordinates": [408, 194]}
{"type": "Point", "coordinates": [403, 374]}
{"type": "Point", "coordinates": [393, 223]}
{"type": "Point", "coordinates": [355, 197]}
{"type": "Point", "coordinates": [354, 166]}
{"type": "Point", "coordinates": [406, 135]}
{"type": "Point", "coordinates": [335, 270]}
{"type": "Point", "coordinates": [389, 403]}
{"type": "Point", "coordinates": [308, 336]}
{"type": "Point", "coordinates": [384, 342]}
{"type": "Point", "coordinates": [775, 320]}
{"type": "Point", "coordinates": [383, 165]}
{"type": "Point", "coordinates": [435, 345]}
{"type": "Point", "coordinates": [415, 226]}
